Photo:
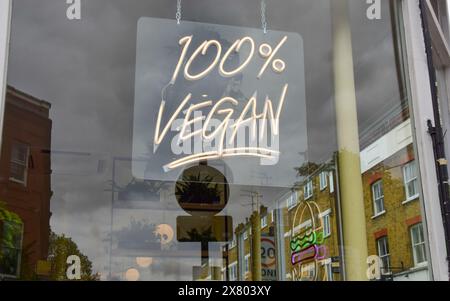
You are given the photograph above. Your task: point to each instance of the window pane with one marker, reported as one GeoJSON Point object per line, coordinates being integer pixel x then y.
{"type": "Point", "coordinates": [117, 116]}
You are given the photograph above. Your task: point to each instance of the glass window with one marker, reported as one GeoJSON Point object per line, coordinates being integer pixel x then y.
{"type": "Point", "coordinates": [418, 244]}
{"type": "Point", "coordinates": [232, 271]}
{"type": "Point", "coordinates": [247, 263]}
{"type": "Point", "coordinates": [142, 137]}
{"type": "Point", "coordinates": [378, 198]}
{"type": "Point", "coordinates": [411, 181]}
{"type": "Point", "coordinates": [10, 247]}
{"type": "Point", "coordinates": [308, 190]}
{"type": "Point", "coordinates": [264, 221]}
{"type": "Point", "coordinates": [326, 225]}
{"type": "Point", "coordinates": [292, 200]}
{"type": "Point", "coordinates": [323, 180]}
{"type": "Point", "coordinates": [19, 162]}
{"type": "Point", "coordinates": [383, 253]}
{"type": "Point", "coordinates": [233, 243]}
{"type": "Point", "coordinates": [329, 271]}
{"type": "Point", "coordinates": [331, 182]}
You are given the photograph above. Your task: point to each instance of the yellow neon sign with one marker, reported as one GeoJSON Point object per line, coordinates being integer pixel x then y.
{"type": "Point", "coordinates": [224, 108]}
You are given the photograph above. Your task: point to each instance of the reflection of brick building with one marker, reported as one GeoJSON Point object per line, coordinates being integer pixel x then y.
{"type": "Point", "coordinates": [317, 192]}
{"type": "Point", "coordinates": [393, 214]}
{"type": "Point", "coordinates": [25, 171]}
{"type": "Point", "coordinates": [391, 199]}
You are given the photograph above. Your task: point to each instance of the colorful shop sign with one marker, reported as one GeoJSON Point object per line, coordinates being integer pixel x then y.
{"type": "Point", "coordinates": [307, 238]}
{"type": "Point", "coordinates": [232, 96]}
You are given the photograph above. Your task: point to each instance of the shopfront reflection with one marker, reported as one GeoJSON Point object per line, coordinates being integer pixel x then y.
{"type": "Point", "coordinates": [66, 173]}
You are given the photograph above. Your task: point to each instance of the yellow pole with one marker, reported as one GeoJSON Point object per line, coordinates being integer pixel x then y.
{"type": "Point", "coordinates": [256, 246]}
{"type": "Point", "coordinates": [352, 202]}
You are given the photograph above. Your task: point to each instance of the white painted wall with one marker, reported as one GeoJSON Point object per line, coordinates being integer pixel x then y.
{"type": "Point", "coordinates": [422, 111]}
{"type": "Point", "coordinates": [385, 147]}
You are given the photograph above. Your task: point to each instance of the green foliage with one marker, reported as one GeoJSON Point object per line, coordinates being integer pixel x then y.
{"type": "Point", "coordinates": [205, 235]}
{"type": "Point", "coordinates": [11, 236]}
{"type": "Point", "coordinates": [198, 189]}
{"type": "Point", "coordinates": [306, 169]}
{"type": "Point", "coordinates": [62, 247]}
{"type": "Point", "coordinates": [138, 235]}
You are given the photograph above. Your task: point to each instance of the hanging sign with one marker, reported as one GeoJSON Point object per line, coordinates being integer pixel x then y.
{"type": "Point", "coordinates": [231, 96]}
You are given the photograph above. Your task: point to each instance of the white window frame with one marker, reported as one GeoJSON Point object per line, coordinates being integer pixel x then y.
{"type": "Point", "coordinates": [308, 190]}
{"type": "Point", "coordinates": [264, 222]}
{"type": "Point", "coordinates": [328, 270]}
{"type": "Point", "coordinates": [292, 200]}
{"type": "Point", "coordinates": [407, 181]}
{"type": "Point", "coordinates": [323, 180]}
{"type": "Point", "coordinates": [331, 178]}
{"type": "Point", "coordinates": [232, 271]}
{"type": "Point", "coordinates": [245, 234]}
{"type": "Point", "coordinates": [247, 264]}
{"type": "Point", "coordinates": [377, 212]}
{"type": "Point", "coordinates": [326, 225]}
{"type": "Point", "coordinates": [22, 164]}
{"type": "Point", "coordinates": [233, 244]}
{"type": "Point", "coordinates": [420, 244]}
{"type": "Point", "coordinates": [382, 256]}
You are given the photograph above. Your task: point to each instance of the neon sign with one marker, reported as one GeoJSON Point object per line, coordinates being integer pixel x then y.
{"type": "Point", "coordinates": [307, 248]}
{"type": "Point", "coordinates": [220, 108]}
{"type": "Point", "coordinates": [214, 92]}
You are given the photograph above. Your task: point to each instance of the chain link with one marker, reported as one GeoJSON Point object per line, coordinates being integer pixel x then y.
{"type": "Point", "coordinates": [178, 14]}
{"type": "Point", "coordinates": [263, 16]}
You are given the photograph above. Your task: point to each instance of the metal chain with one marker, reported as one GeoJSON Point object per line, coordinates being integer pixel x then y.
{"type": "Point", "coordinates": [178, 14]}
{"type": "Point", "coordinates": [263, 16]}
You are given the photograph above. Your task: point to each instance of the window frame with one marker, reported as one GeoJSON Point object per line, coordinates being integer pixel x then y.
{"type": "Point", "coordinates": [308, 190]}
{"type": "Point", "coordinates": [25, 164]}
{"type": "Point", "coordinates": [247, 264]}
{"type": "Point", "coordinates": [387, 255]}
{"type": "Point", "coordinates": [421, 244]}
{"type": "Point", "coordinates": [264, 221]}
{"type": "Point", "coordinates": [406, 181]}
{"type": "Point", "coordinates": [18, 248]}
{"type": "Point", "coordinates": [323, 180]}
{"type": "Point", "coordinates": [377, 213]}
{"type": "Point", "coordinates": [326, 225]}
{"type": "Point", "coordinates": [292, 200]}
{"type": "Point", "coordinates": [233, 271]}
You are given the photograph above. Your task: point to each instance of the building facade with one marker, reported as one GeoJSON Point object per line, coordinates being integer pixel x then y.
{"type": "Point", "coordinates": [25, 187]}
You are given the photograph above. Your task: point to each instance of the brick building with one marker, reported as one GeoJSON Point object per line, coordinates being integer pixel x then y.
{"type": "Point", "coordinates": [393, 212]}
{"type": "Point", "coordinates": [311, 206]}
{"type": "Point", "coordinates": [25, 172]}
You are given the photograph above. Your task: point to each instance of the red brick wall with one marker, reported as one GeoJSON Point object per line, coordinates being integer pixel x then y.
{"type": "Point", "coordinates": [27, 120]}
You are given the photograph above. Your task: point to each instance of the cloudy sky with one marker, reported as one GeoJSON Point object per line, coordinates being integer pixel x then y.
{"type": "Point", "coordinates": [86, 70]}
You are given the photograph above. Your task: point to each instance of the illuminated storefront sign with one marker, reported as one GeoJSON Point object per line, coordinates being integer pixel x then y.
{"type": "Point", "coordinates": [232, 96]}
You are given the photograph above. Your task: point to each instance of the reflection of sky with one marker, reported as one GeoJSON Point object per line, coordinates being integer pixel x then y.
{"type": "Point", "coordinates": [86, 69]}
